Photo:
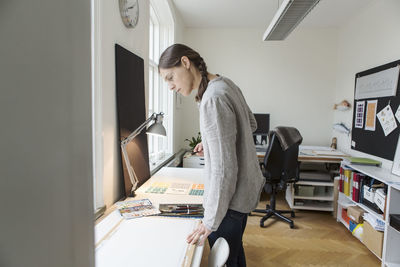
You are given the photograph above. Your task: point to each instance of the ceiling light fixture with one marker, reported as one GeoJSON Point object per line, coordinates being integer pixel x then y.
{"type": "Point", "coordinates": [288, 16]}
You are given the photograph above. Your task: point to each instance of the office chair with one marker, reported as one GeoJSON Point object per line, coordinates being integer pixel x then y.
{"type": "Point", "coordinates": [280, 166]}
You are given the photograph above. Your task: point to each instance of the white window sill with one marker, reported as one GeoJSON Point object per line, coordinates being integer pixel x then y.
{"type": "Point", "coordinates": [154, 165]}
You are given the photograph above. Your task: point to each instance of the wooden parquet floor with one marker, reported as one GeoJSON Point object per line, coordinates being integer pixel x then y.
{"type": "Point", "coordinates": [316, 240]}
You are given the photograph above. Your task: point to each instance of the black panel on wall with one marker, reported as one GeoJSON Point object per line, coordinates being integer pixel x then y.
{"type": "Point", "coordinates": [131, 113]}
{"type": "Point", "coordinates": [375, 142]}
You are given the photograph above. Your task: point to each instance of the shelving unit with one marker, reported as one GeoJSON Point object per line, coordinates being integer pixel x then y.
{"type": "Point", "coordinates": [322, 200]}
{"type": "Point", "coordinates": [391, 240]}
{"type": "Point", "coordinates": [391, 253]}
{"type": "Point", "coordinates": [323, 196]}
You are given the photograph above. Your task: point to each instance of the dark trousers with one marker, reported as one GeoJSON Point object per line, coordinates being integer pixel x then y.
{"type": "Point", "coordinates": [232, 229]}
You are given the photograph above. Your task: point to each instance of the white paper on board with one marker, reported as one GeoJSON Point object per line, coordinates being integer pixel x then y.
{"type": "Point", "coordinates": [359, 119]}
{"type": "Point", "coordinates": [379, 84]}
{"type": "Point", "coordinates": [387, 120]}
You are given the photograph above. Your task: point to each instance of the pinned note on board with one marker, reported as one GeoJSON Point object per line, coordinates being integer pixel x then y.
{"type": "Point", "coordinates": [370, 115]}
{"type": "Point", "coordinates": [378, 84]}
{"type": "Point", "coordinates": [387, 120]}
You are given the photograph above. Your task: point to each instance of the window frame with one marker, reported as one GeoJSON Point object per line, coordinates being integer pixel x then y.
{"type": "Point", "coordinates": [161, 35]}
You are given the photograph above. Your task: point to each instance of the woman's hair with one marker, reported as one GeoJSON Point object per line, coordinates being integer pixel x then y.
{"type": "Point", "coordinates": [171, 57]}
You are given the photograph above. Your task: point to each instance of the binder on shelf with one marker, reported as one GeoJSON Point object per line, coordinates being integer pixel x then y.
{"type": "Point", "coordinates": [351, 185]}
{"type": "Point", "coordinates": [356, 187]}
{"type": "Point", "coordinates": [341, 172]}
{"type": "Point", "coordinates": [346, 182]}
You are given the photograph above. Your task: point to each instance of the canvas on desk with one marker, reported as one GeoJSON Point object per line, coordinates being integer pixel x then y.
{"type": "Point", "coordinates": [146, 242]}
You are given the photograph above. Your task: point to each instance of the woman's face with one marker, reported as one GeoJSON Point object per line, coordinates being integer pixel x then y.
{"type": "Point", "coordinates": [179, 79]}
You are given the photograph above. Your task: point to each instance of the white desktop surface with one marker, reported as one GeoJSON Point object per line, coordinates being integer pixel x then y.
{"type": "Point", "coordinates": [316, 154]}
{"type": "Point", "coordinates": [150, 241]}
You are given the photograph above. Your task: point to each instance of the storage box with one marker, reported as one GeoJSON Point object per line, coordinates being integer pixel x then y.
{"type": "Point", "coordinates": [380, 198]}
{"type": "Point", "coordinates": [369, 193]}
{"type": "Point", "coordinates": [306, 190]}
{"type": "Point", "coordinates": [372, 239]}
{"type": "Point", "coordinates": [355, 213]}
{"type": "Point", "coordinates": [395, 221]}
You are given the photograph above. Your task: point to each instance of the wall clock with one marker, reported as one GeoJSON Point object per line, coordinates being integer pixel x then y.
{"type": "Point", "coordinates": [129, 10]}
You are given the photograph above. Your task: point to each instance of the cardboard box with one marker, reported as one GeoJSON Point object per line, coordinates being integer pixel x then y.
{"type": "Point", "coordinates": [372, 239]}
{"type": "Point", "coordinates": [355, 213]}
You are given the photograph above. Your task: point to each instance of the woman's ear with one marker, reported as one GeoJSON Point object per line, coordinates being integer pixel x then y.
{"type": "Point", "coordinates": [185, 62]}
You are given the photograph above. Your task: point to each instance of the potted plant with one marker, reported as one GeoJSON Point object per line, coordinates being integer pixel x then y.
{"type": "Point", "coordinates": [194, 141]}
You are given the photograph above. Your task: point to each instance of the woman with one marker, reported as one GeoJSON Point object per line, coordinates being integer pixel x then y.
{"type": "Point", "coordinates": [233, 179]}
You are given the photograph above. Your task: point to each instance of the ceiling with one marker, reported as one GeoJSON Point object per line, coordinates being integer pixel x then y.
{"type": "Point", "coordinates": [259, 13]}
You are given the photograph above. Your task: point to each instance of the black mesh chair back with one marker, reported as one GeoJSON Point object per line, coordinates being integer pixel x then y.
{"type": "Point", "coordinates": [279, 164]}
{"type": "Point", "coordinates": [280, 167]}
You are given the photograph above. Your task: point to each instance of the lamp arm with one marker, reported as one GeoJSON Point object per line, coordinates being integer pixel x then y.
{"type": "Point", "coordinates": [126, 141]}
{"type": "Point", "coordinates": [138, 130]}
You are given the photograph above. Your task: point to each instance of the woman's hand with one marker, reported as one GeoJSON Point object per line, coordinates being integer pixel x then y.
{"type": "Point", "coordinates": [199, 149]}
{"type": "Point", "coordinates": [200, 233]}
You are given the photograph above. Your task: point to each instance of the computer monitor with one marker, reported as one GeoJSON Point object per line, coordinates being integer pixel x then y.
{"type": "Point", "coordinates": [262, 127]}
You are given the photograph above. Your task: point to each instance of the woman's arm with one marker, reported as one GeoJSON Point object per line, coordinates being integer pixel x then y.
{"type": "Point", "coordinates": [218, 121]}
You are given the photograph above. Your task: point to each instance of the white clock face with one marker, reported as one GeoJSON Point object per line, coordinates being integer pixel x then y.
{"type": "Point", "coordinates": [129, 10]}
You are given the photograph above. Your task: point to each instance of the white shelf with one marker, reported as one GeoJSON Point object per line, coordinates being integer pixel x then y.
{"type": "Point", "coordinates": [392, 264]}
{"type": "Point", "coordinates": [379, 216]}
{"type": "Point", "coordinates": [391, 240]}
{"type": "Point", "coordinates": [323, 206]}
{"type": "Point", "coordinates": [321, 197]}
{"type": "Point", "coordinates": [316, 183]}
{"type": "Point", "coordinates": [378, 173]}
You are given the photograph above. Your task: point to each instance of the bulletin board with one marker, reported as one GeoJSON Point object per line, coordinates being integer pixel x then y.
{"type": "Point", "coordinates": [131, 113]}
{"type": "Point", "coordinates": [365, 139]}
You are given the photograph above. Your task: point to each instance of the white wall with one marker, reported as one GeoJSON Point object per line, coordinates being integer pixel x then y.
{"type": "Point", "coordinates": [370, 39]}
{"type": "Point", "coordinates": [293, 80]}
{"type": "Point", "coordinates": [46, 141]}
{"type": "Point", "coordinates": [112, 31]}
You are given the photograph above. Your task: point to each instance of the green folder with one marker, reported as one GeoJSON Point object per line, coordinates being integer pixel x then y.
{"type": "Point", "coordinates": [364, 161]}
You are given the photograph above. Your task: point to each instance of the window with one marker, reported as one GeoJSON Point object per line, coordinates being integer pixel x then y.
{"type": "Point", "coordinates": [160, 98]}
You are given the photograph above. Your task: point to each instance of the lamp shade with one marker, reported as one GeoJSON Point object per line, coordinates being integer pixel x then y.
{"type": "Point", "coordinates": [156, 129]}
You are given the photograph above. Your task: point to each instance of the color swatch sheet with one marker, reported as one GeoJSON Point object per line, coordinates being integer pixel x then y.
{"type": "Point", "coordinates": [176, 188]}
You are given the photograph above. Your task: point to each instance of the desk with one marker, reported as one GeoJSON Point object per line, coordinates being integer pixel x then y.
{"type": "Point", "coordinates": [149, 241]}
{"type": "Point", "coordinates": [323, 196]}
{"type": "Point", "coordinates": [315, 154]}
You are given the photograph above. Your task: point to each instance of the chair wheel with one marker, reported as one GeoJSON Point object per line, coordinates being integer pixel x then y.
{"type": "Point", "coordinates": [291, 226]}
{"type": "Point", "coordinates": [292, 214]}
